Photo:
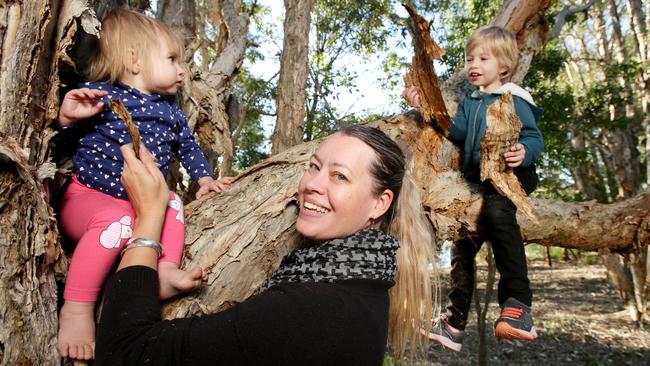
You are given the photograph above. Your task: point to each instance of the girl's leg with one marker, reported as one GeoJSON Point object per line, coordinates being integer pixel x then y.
{"type": "Point", "coordinates": [101, 225]}
{"type": "Point", "coordinates": [173, 280]}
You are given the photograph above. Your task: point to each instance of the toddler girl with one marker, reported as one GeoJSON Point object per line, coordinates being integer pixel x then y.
{"type": "Point", "coordinates": [137, 60]}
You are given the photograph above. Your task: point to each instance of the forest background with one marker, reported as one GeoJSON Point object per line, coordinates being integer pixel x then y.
{"type": "Point", "coordinates": [257, 86]}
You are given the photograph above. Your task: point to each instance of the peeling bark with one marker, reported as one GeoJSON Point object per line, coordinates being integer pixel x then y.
{"type": "Point", "coordinates": [501, 133]}
{"type": "Point", "coordinates": [423, 76]}
{"type": "Point", "coordinates": [29, 250]}
{"type": "Point", "coordinates": [241, 235]}
{"type": "Point", "coordinates": [204, 103]}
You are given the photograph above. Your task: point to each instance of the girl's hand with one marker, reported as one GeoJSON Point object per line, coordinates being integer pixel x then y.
{"type": "Point", "coordinates": [411, 96]}
{"type": "Point", "coordinates": [79, 104]}
{"type": "Point", "coordinates": [144, 184]}
{"type": "Point", "coordinates": [208, 184]}
{"type": "Point", "coordinates": [515, 156]}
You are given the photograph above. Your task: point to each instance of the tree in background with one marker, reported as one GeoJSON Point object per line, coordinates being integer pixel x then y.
{"type": "Point", "coordinates": [594, 125]}
{"type": "Point", "coordinates": [290, 111]}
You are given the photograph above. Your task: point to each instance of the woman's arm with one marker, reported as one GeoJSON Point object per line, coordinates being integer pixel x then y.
{"type": "Point", "coordinates": [149, 195]}
{"type": "Point", "coordinates": [131, 308]}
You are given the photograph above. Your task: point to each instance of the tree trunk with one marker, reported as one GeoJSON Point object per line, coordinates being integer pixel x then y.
{"type": "Point", "coordinates": [640, 26]}
{"type": "Point", "coordinates": [34, 36]}
{"type": "Point", "coordinates": [241, 235]}
{"type": "Point", "coordinates": [180, 14]}
{"type": "Point", "coordinates": [621, 147]}
{"type": "Point", "coordinates": [289, 125]}
{"type": "Point", "coordinates": [209, 91]}
{"type": "Point", "coordinates": [102, 7]}
{"type": "Point", "coordinates": [481, 312]}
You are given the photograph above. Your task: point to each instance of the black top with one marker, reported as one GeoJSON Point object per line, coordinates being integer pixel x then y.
{"type": "Point", "coordinates": [309, 323]}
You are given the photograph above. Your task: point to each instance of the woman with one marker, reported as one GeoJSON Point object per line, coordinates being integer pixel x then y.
{"type": "Point", "coordinates": [332, 303]}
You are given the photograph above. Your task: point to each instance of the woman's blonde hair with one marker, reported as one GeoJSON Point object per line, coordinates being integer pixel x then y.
{"type": "Point", "coordinates": [501, 43]}
{"type": "Point", "coordinates": [127, 34]}
{"type": "Point", "coordinates": [415, 292]}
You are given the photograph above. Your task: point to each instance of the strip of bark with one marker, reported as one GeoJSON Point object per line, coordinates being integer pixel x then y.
{"type": "Point", "coordinates": [118, 107]}
{"type": "Point", "coordinates": [423, 76]}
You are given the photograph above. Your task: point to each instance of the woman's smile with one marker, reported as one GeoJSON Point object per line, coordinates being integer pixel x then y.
{"type": "Point", "coordinates": [334, 193]}
{"type": "Point", "coordinates": [310, 208]}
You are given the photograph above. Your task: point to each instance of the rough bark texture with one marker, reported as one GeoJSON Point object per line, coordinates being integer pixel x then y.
{"type": "Point", "coordinates": [289, 125]}
{"type": "Point", "coordinates": [423, 76]}
{"type": "Point", "coordinates": [29, 250]}
{"type": "Point", "coordinates": [204, 104]}
{"type": "Point", "coordinates": [181, 14]}
{"type": "Point", "coordinates": [502, 132]}
{"type": "Point", "coordinates": [241, 235]}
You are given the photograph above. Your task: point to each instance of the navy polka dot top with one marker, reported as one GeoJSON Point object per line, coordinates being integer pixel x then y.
{"type": "Point", "coordinates": [163, 129]}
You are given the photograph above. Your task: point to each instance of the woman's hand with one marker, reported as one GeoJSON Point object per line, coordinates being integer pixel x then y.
{"type": "Point", "coordinates": [149, 195]}
{"type": "Point", "coordinates": [144, 183]}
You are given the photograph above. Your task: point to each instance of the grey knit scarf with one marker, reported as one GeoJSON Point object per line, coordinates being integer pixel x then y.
{"type": "Point", "coordinates": [368, 254]}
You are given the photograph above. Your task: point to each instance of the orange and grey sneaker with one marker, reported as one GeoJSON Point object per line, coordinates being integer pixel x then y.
{"type": "Point", "coordinates": [443, 333]}
{"type": "Point", "coordinates": [515, 322]}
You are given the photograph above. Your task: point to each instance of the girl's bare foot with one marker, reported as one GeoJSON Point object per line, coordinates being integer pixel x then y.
{"type": "Point", "coordinates": [77, 330]}
{"type": "Point", "coordinates": [174, 280]}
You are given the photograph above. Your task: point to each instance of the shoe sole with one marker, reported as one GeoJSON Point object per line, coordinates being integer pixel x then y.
{"type": "Point", "coordinates": [503, 330]}
{"type": "Point", "coordinates": [445, 342]}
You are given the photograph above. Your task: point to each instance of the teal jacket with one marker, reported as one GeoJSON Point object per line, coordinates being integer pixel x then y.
{"type": "Point", "coordinates": [468, 127]}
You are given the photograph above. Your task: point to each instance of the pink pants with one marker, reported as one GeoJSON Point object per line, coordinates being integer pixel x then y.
{"type": "Point", "coordinates": [101, 224]}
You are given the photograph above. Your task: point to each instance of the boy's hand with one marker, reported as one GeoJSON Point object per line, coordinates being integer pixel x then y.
{"type": "Point", "coordinates": [515, 155]}
{"type": "Point", "coordinates": [208, 184]}
{"type": "Point", "coordinates": [411, 96]}
{"type": "Point", "coordinates": [79, 104]}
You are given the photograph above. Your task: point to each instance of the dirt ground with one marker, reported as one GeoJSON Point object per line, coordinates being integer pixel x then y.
{"type": "Point", "coordinates": [578, 316]}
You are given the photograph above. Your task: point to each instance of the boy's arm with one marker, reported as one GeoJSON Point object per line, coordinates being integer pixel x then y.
{"type": "Point", "coordinates": [80, 104]}
{"type": "Point", "coordinates": [458, 129]}
{"type": "Point", "coordinates": [530, 136]}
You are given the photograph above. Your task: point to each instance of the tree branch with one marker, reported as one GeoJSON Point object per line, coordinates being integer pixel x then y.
{"type": "Point", "coordinates": [560, 18]}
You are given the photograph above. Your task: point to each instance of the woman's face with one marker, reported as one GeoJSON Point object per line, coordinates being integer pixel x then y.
{"type": "Point", "coordinates": [335, 193]}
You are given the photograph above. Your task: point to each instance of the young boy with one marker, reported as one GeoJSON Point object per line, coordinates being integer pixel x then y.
{"type": "Point", "coordinates": [491, 56]}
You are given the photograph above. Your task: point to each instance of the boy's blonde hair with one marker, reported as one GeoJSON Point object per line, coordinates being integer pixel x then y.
{"type": "Point", "coordinates": [501, 43]}
{"type": "Point", "coordinates": [126, 34]}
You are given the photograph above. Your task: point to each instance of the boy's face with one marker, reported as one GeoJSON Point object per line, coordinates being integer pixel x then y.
{"type": "Point", "coordinates": [166, 73]}
{"type": "Point", "coordinates": [483, 69]}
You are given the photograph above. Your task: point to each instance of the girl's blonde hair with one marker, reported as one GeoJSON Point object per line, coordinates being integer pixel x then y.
{"type": "Point", "coordinates": [501, 43]}
{"type": "Point", "coordinates": [415, 292]}
{"type": "Point", "coordinates": [127, 34]}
